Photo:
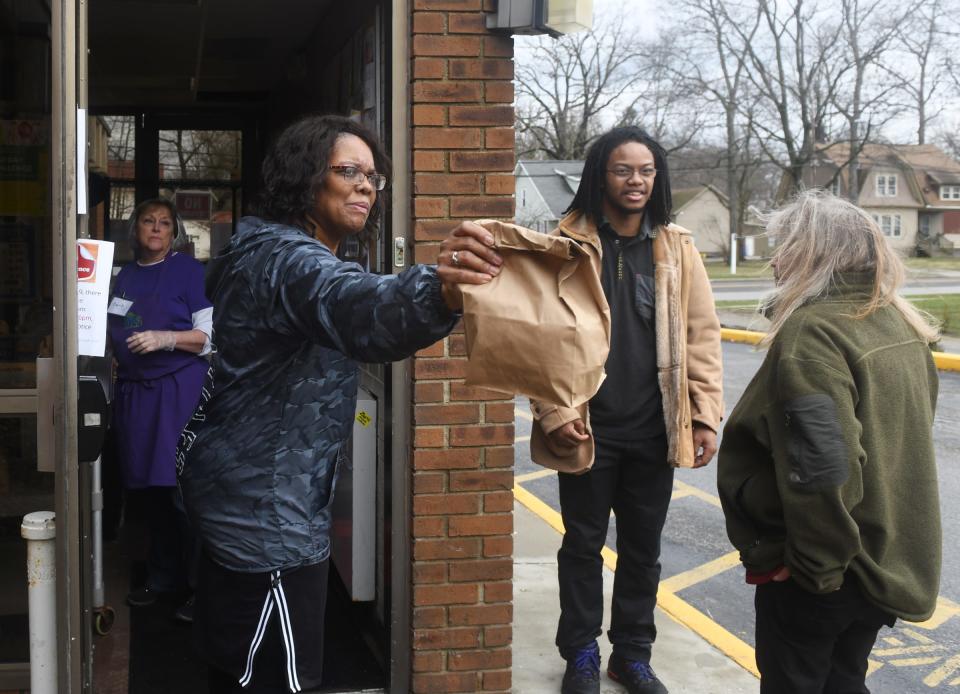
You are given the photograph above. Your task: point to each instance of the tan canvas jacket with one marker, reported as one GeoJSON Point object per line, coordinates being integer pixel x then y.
{"type": "Point", "coordinates": [689, 362]}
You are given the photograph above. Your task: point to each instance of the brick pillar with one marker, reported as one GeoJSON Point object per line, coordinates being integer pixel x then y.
{"type": "Point", "coordinates": [463, 138]}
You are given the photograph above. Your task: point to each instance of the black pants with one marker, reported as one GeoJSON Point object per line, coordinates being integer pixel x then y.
{"type": "Point", "coordinates": [636, 482]}
{"type": "Point", "coordinates": [261, 633]}
{"type": "Point", "coordinates": [815, 644]}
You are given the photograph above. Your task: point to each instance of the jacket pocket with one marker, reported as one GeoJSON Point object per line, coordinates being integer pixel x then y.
{"type": "Point", "coordinates": [644, 300]}
{"type": "Point", "coordinates": [817, 451]}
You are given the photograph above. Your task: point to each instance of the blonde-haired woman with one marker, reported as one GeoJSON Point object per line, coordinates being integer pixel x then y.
{"type": "Point", "coordinates": [826, 469]}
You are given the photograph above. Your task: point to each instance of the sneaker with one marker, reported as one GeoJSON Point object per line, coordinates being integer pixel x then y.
{"type": "Point", "coordinates": [637, 676]}
{"type": "Point", "coordinates": [583, 672]}
{"type": "Point", "coordinates": [142, 597]}
{"type": "Point", "coordinates": [184, 613]}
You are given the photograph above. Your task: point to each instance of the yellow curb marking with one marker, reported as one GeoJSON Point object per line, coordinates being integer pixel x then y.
{"type": "Point", "coordinates": [680, 611]}
{"type": "Point", "coordinates": [523, 414]}
{"type": "Point", "coordinates": [945, 361]}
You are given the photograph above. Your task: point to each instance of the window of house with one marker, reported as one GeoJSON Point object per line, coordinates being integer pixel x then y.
{"type": "Point", "coordinates": [886, 185]}
{"type": "Point", "coordinates": [950, 192]}
{"type": "Point", "coordinates": [890, 224]}
{"type": "Point", "coordinates": [924, 225]}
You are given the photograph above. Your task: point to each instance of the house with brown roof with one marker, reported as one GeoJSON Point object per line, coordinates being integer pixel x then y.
{"type": "Point", "coordinates": [912, 191]}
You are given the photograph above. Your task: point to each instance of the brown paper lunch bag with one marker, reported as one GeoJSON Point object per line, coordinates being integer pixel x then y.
{"type": "Point", "coordinates": [540, 328]}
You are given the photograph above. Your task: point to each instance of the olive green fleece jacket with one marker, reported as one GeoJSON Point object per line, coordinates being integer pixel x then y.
{"type": "Point", "coordinates": [827, 462]}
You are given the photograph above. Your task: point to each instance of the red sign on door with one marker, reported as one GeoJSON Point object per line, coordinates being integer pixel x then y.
{"type": "Point", "coordinates": [194, 204]}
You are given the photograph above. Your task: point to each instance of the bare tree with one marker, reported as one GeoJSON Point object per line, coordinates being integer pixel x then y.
{"type": "Point", "coordinates": [716, 67]}
{"type": "Point", "coordinates": [574, 87]}
{"type": "Point", "coordinates": [922, 38]}
{"type": "Point", "coordinates": [867, 29]}
{"type": "Point", "coordinates": [790, 58]}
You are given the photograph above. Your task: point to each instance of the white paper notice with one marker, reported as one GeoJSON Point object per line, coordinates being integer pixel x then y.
{"type": "Point", "coordinates": [94, 269]}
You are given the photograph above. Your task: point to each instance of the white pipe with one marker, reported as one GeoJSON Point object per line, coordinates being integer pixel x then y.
{"type": "Point", "coordinates": [96, 531]}
{"type": "Point", "coordinates": [733, 254]}
{"type": "Point", "coordinates": [40, 532]}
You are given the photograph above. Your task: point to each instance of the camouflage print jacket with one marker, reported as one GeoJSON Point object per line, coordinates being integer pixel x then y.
{"type": "Point", "coordinates": [259, 458]}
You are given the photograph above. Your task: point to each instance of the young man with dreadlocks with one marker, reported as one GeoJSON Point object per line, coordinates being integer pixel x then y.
{"type": "Point", "coordinates": [659, 407]}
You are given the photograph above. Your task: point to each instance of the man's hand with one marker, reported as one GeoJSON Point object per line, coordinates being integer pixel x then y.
{"type": "Point", "coordinates": [466, 257]}
{"type": "Point", "coordinates": [704, 444]}
{"type": "Point", "coordinates": [570, 435]}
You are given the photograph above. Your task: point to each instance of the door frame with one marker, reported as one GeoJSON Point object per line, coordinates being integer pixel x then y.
{"type": "Point", "coordinates": [68, 86]}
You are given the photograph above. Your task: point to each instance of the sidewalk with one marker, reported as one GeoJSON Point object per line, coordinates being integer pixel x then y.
{"type": "Point", "coordinates": [683, 660]}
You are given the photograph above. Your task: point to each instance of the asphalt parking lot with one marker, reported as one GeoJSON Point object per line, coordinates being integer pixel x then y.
{"type": "Point", "coordinates": [702, 581]}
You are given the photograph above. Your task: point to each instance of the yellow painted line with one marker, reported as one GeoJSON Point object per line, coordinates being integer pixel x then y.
{"type": "Point", "coordinates": [946, 609]}
{"type": "Point", "coordinates": [701, 573]}
{"type": "Point", "coordinates": [522, 414]}
{"type": "Point", "coordinates": [521, 439]}
{"type": "Point", "coordinates": [915, 635]}
{"type": "Point", "coordinates": [679, 610]}
{"type": "Point", "coordinates": [914, 662]}
{"type": "Point", "coordinates": [907, 650]}
{"type": "Point", "coordinates": [945, 361]}
{"type": "Point", "coordinates": [519, 479]}
{"type": "Point", "coordinates": [689, 490]}
{"type": "Point", "coordinates": [948, 669]}
{"type": "Point", "coordinates": [727, 643]}
{"type": "Point", "coordinates": [539, 508]}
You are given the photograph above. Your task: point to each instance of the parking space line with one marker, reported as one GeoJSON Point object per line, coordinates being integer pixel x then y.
{"type": "Point", "coordinates": [546, 472]}
{"type": "Point", "coordinates": [948, 669]}
{"type": "Point", "coordinates": [701, 573]}
{"type": "Point", "coordinates": [946, 609]}
{"type": "Point", "coordinates": [682, 489]}
{"type": "Point", "coordinates": [675, 607]}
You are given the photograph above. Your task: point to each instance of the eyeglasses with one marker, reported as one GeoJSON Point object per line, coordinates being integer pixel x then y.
{"type": "Point", "coordinates": [626, 173]}
{"type": "Point", "coordinates": [352, 174]}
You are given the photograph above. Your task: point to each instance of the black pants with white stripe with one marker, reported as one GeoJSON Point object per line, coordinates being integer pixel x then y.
{"type": "Point", "coordinates": [263, 632]}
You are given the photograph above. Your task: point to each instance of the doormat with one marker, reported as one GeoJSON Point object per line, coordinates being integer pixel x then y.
{"type": "Point", "coordinates": [162, 659]}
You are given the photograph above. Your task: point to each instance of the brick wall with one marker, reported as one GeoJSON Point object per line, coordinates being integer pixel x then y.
{"type": "Point", "coordinates": [462, 114]}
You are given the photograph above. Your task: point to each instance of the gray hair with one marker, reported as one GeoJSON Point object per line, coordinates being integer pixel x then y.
{"type": "Point", "coordinates": [179, 231]}
{"type": "Point", "coordinates": [819, 236]}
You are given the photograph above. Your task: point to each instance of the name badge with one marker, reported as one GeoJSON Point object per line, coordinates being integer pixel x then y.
{"type": "Point", "coordinates": [119, 306]}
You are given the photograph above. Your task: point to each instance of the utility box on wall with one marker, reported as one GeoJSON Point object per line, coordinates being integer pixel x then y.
{"type": "Point", "coordinates": [354, 538]}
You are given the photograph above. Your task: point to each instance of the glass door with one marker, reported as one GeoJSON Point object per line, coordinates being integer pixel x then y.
{"type": "Point", "coordinates": [26, 305]}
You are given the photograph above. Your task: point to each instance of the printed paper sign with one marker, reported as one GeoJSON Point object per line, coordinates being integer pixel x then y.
{"type": "Point", "coordinates": [94, 269]}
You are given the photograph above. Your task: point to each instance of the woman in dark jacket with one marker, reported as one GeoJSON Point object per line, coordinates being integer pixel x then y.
{"type": "Point", "coordinates": [259, 459]}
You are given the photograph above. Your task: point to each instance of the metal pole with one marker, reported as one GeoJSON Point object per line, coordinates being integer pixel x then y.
{"type": "Point", "coordinates": [40, 532]}
{"type": "Point", "coordinates": [96, 513]}
{"type": "Point", "coordinates": [733, 254]}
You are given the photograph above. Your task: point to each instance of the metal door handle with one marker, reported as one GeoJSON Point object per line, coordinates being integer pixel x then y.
{"type": "Point", "coordinates": [46, 434]}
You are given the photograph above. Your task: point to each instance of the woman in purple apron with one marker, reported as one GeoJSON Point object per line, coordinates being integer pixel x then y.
{"type": "Point", "coordinates": [160, 325]}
